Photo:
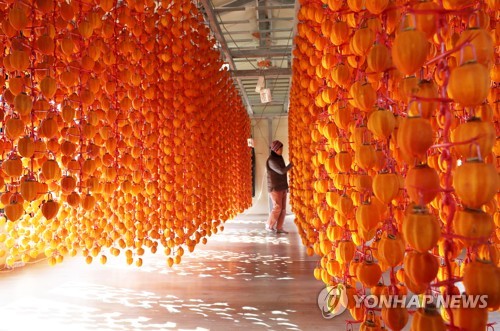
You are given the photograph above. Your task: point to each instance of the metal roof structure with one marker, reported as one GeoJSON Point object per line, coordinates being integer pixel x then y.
{"type": "Point", "coordinates": [255, 38]}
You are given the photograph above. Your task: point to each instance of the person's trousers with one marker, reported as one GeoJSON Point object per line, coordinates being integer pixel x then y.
{"type": "Point", "coordinates": [277, 214]}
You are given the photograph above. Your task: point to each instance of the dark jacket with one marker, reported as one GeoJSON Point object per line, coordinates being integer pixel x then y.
{"type": "Point", "coordinates": [276, 173]}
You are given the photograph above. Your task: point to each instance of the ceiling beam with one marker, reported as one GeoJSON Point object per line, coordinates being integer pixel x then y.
{"type": "Point", "coordinates": [255, 99]}
{"type": "Point", "coordinates": [277, 82]}
{"type": "Point", "coordinates": [264, 26]}
{"type": "Point", "coordinates": [261, 52]}
{"type": "Point", "coordinates": [272, 103]}
{"type": "Point", "coordinates": [238, 3]}
{"type": "Point", "coordinates": [261, 30]}
{"type": "Point", "coordinates": [268, 73]}
{"type": "Point", "coordinates": [274, 19]}
{"type": "Point", "coordinates": [248, 40]}
{"type": "Point", "coordinates": [229, 9]}
{"type": "Point", "coordinates": [274, 91]}
{"type": "Point", "coordinates": [287, 19]}
{"type": "Point", "coordinates": [286, 106]}
{"type": "Point", "coordinates": [275, 87]}
{"type": "Point", "coordinates": [215, 27]}
{"type": "Point", "coordinates": [269, 115]}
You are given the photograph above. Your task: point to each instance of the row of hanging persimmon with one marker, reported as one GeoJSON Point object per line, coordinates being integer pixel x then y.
{"type": "Point", "coordinates": [393, 130]}
{"type": "Point", "coordinates": [110, 112]}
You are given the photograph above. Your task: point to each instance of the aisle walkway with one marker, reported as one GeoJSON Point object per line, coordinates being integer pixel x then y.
{"type": "Point", "coordinates": [243, 279]}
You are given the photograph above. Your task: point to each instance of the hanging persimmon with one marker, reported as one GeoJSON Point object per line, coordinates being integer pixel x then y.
{"type": "Point", "coordinates": [479, 48]}
{"type": "Point", "coordinates": [50, 208]}
{"type": "Point", "coordinates": [391, 250]}
{"type": "Point", "coordinates": [421, 230]}
{"type": "Point", "coordinates": [475, 183]}
{"type": "Point", "coordinates": [422, 184]}
{"type": "Point", "coordinates": [473, 225]}
{"type": "Point", "coordinates": [476, 77]}
{"type": "Point", "coordinates": [409, 50]}
{"type": "Point", "coordinates": [14, 210]}
{"type": "Point", "coordinates": [479, 135]}
{"type": "Point", "coordinates": [427, 318]}
{"type": "Point", "coordinates": [381, 123]}
{"type": "Point", "coordinates": [421, 268]}
{"type": "Point", "coordinates": [369, 273]}
{"type": "Point", "coordinates": [26, 147]}
{"type": "Point", "coordinates": [414, 137]}
{"type": "Point", "coordinates": [424, 105]}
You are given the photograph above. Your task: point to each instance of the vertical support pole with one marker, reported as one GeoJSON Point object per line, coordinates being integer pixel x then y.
{"type": "Point", "coordinates": [270, 139]}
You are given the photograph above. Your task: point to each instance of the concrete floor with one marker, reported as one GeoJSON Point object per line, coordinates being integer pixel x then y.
{"type": "Point", "coordinates": [243, 278]}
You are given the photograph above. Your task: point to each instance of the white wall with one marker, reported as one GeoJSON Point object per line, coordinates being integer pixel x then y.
{"type": "Point", "coordinates": [260, 134]}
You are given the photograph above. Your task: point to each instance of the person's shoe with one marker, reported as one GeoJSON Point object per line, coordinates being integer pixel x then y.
{"type": "Point", "coordinates": [282, 231]}
{"type": "Point", "coordinates": [270, 230]}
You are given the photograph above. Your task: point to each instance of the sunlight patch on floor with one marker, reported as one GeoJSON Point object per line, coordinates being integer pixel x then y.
{"type": "Point", "coordinates": [215, 287]}
{"type": "Point", "coordinates": [172, 305]}
{"type": "Point", "coordinates": [30, 313]}
{"type": "Point", "coordinates": [84, 316]}
{"type": "Point", "coordinates": [210, 263]}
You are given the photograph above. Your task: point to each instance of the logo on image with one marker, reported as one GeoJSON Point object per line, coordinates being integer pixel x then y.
{"type": "Point", "coordinates": [332, 300]}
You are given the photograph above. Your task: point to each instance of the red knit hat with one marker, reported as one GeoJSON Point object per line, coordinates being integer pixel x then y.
{"type": "Point", "coordinates": [276, 145]}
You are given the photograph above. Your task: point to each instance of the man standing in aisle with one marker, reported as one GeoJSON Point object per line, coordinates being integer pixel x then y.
{"type": "Point", "coordinates": [277, 185]}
